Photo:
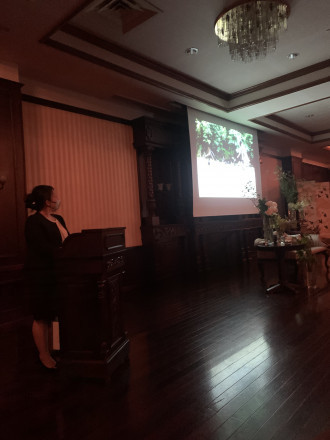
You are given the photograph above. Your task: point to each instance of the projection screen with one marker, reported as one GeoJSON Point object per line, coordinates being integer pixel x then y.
{"type": "Point", "coordinates": [225, 166]}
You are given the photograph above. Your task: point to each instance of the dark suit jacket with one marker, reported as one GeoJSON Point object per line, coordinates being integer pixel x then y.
{"type": "Point", "coordinates": [43, 238]}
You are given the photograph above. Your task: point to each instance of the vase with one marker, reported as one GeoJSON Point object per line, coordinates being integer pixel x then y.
{"type": "Point", "coordinates": [309, 278]}
{"type": "Point", "coordinates": [268, 230]}
{"type": "Point", "coordinates": [293, 215]}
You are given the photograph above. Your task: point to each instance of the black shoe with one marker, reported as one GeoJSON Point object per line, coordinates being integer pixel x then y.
{"type": "Point", "coordinates": [49, 369]}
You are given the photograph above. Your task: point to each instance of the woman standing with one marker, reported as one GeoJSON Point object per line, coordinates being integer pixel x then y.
{"type": "Point", "coordinates": [44, 233]}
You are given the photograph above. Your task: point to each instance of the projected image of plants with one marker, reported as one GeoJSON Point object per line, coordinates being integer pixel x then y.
{"type": "Point", "coordinates": [224, 160]}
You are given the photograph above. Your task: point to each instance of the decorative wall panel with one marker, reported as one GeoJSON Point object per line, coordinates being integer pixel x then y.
{"type": "Point", "coordinates": [91, 163]}
{"type": "Point", "coordinates": [317, 213]}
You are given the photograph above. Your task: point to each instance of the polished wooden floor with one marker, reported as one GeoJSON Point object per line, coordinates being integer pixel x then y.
{"type": "Point", "coordinates": [212, 359]}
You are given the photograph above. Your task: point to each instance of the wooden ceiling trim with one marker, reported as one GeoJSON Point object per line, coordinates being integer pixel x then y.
{"type": "Point", "coordinates": [287, 133]}
{"type": "Point", "coordinates": [69, 17]}
{"type": "Point", "coordinates": [143, 61]}
{"type": "Point", "coordinates": [279, 130]}
{"type": "Point", "coordinates": [121, 70]}
{"type": "Point", "coordinates": [74, 109]}
{"type": "Point", "coordinates": [280, 94]}
{"type": "Point", "coordinates": [289, 124]}
{"type": "Point", "coordinates": [135, 57]}
{"type": "Point", "coordinates": [319, 133]}
{"type": "Point", "coordinates": [323, 140]}
{"type": "Point", "coordinates": [284, 78]}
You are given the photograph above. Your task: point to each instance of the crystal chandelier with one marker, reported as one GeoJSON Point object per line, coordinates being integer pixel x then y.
{"type": "Point", "coordinates": [250, 28]}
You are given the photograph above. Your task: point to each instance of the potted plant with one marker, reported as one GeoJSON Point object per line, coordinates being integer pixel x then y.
{"type": "Point", "coordinates": [288, 188]}
{"type": "Point", "coordinates": [288, 185]}
{"type": "Point", "coordinates": [307, 261]}
{"type": "Point", "coordinates": [267, 209]}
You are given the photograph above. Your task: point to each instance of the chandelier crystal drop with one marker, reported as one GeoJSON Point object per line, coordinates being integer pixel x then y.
{"type": "Point", "coordinates": [250, 28]}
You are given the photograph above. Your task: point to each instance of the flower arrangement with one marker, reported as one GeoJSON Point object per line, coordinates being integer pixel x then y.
{"type": "Point", "coordinates": [264, 207]}
{"type": "Point", "coordinates": [282, 224]}
{"type": "Point", "coordinates": [305, 254]}
{"type": "Point", "coordinates": [299, 206]}
{"type": "Point", "coordinates": [267, 208]}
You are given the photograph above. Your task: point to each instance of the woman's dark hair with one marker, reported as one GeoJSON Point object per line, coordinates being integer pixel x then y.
{"type": "Point", "coordinates": [36, 200]}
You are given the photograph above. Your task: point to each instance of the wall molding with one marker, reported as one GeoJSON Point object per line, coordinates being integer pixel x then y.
{"type": "Point", "coordinates": [136, 57]}
{"type": "Point", "coordinates": [131, 74]}
{"type": "Point", "coordinates": [73, 109]}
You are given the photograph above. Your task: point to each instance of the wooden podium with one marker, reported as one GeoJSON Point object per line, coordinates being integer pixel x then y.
{"type": "Point", "coordinates": [90, 266]}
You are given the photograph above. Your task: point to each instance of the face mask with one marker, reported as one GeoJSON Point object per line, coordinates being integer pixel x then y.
{"type": "Point", "coordinates": [56, 205]}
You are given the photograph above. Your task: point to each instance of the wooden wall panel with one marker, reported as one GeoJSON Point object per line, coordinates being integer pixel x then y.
{"type": "Point", "coordinates": [13, 302]}
{"type": "Point", "coordinates": [91, 163]}
{"type": "Point", "coordinates": [269, 182]}
{"type": "Point", "coordinates": [313, 172]}
{"type": "Point", "coordinates": [12, 167]}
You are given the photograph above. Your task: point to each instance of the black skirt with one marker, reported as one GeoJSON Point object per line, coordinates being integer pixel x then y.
{"type": "Point", "coordinates": [42, 288]}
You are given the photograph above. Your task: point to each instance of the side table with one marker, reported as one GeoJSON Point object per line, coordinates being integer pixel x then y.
{"type": "Point", "coordinates": [279, 256]}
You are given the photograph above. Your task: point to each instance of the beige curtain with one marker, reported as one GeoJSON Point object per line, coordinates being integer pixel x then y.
{"type": "Point", "coordinates": [91, 163]}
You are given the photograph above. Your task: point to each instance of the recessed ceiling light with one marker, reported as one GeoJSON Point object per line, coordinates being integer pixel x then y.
{"type": "Point", "coordinates": [292, 55]}
{"type": "Point", "coordinates": [191, 51]}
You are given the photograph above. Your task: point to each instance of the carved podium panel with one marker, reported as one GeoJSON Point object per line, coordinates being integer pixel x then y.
{"type": "Point", "coordinates": [90, 267]}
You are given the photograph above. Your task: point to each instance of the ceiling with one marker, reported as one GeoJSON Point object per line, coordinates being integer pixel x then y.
{"type": "Point", "coordinates": [133, 52]}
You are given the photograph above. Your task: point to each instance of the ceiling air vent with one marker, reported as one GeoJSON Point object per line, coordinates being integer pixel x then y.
{"type": "Point", "coordinates": [122, 5]}
{"type": "Point", "coordinates": [127, 13]}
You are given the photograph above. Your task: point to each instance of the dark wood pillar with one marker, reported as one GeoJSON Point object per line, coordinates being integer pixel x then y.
{"type": "Point", "coordinates": [12, 192]}
{"type": "Point", "coordinates": [150, 202]}
{"type": "Point", "coordinates": [151, 138]}
{"type": "Point", "coordinates": [293, 165]}
{"type": "Point", "coordinates": [164, 236]}
{"type": "Point", "coordinates": [13, 169]}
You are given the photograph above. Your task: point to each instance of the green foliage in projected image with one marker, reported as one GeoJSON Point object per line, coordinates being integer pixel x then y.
{"type": "Point", "coordinates": [216, 142]}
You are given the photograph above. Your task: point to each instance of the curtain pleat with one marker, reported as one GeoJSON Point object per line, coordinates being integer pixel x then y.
{"type": "Point", "coordinates": [92, 165]}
